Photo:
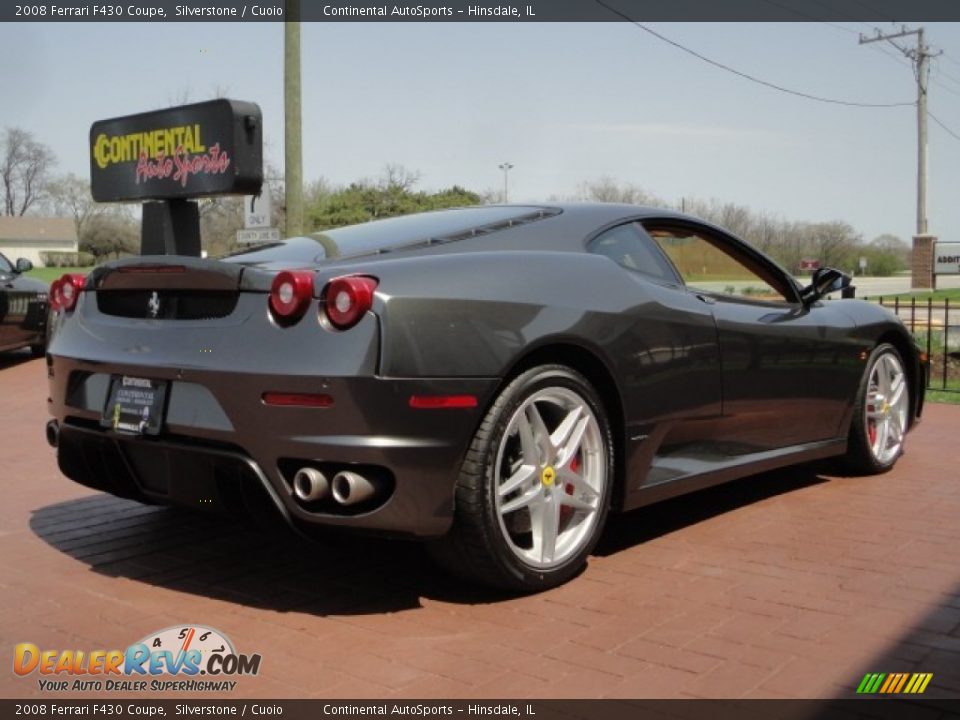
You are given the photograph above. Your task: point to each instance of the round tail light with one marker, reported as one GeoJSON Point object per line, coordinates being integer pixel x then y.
{"type": "Point", "coordinates": [65, 292]}
{"type": "Point", "coordinates": [347, 299]}
{"type": "Point", "coordinates": [290, 295]}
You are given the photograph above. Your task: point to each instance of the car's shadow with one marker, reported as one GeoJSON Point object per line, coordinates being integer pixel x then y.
{"type": "Point", "coordinates": [340, 575]}
{"type": "Point", "coordinates": [12, 358]}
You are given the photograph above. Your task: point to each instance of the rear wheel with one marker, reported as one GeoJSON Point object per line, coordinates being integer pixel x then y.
{"type": "Point", "coordinates": [881, 415]}
{"type": "Point", "coordinates": [534, 489]}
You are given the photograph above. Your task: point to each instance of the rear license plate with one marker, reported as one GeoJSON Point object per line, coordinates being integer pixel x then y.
{"type": "Point", "coordinates": [135, 405]}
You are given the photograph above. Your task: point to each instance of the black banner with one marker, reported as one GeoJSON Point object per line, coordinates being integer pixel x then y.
{"type": "Point", "coordinates": [875, 11]}
{"type": "Point", "coordinates": [209, 148]}
{"type": "Point", "coordinates": [497, 709]}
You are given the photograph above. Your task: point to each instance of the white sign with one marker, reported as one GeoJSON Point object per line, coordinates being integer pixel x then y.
{"type": "Point", "coordinates": [946, 258]}
{"type": "Point", "coordinates": [863, 263]}
{"type": "Point", "coordinates": [258, 235]}
{"type": "Point", "coordinates": [256, 210]}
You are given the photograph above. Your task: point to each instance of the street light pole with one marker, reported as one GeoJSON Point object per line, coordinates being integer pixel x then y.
{"type": "Point", "coordinates": [506, 167]}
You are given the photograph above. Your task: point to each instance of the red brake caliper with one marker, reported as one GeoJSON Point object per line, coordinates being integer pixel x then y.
{"type": "Point", "coordinates": [565, 510]}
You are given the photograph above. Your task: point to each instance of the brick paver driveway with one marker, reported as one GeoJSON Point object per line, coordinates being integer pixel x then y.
{"type": "Point", "coordinates": [791, 584]}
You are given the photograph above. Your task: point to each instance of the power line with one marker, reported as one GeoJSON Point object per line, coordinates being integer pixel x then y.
{"type": "Point", "coordinates": [744, 75]}
{"type": "Point", "coordinates": [870, 9]}
{"type": "Point", "coordinates": [947, 75]}
{"type": "Point", "coordinates": [807, 16]}
{"type": "Point", "coordinates": [946, 129]}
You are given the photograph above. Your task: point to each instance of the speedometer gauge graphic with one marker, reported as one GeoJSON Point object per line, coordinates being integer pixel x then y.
{"type": "Point", "coordinates": [184, 638]}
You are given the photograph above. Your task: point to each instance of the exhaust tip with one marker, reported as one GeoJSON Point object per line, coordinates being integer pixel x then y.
{"type": "Point", "coordinates": [53, 433]}
{"type": "Point", "coordinates": [309, 485]}
{"type": "Point", "coordinates": [350, 488]}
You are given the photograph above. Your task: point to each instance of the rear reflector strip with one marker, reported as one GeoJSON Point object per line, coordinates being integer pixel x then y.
{"type": "Point", "coordinates": [438, 402]}
{"type": "Point", "coordinates": [297, 399]}
{"type": "Point", "coordinates": [152, 269]}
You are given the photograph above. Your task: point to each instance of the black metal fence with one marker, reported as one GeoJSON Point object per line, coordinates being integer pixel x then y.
{"type": "Point", "coordinates": [936, 327]}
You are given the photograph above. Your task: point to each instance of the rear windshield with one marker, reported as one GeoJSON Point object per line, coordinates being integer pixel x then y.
{"type": "Point", "coordinates": [439, 225]}
{"type": "Point", "coordinates": [381, 236]}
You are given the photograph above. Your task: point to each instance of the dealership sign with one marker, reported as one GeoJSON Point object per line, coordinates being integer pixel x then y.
{"type": "Point", "coordinates": [946, 258]}
{"type": "Point", "coordinates": [209, 148]}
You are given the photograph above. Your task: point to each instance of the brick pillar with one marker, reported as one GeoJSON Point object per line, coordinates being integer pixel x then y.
{"type": "Point", "coordinates": [922, 277]}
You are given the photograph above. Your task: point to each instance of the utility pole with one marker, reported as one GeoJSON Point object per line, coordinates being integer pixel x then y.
{"type": "Point", "coordinates": [506, 167]}
{"type": "Point", "coordinates": [921, 63]}
{"type": "Point", "coordinates": [924, 245]}
{"type": "Point", "coordinates": [293, 135]}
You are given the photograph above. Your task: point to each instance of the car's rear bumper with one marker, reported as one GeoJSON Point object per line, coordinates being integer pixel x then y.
{"type": "Point", "coordinates": [222, 447]}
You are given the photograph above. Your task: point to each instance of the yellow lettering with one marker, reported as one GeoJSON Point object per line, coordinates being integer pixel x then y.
{"type": "Point", "coordinates": [46, 661]}
{"type": "Point", "coordinates": [125, 148]}
{"type": "Point", "coordinates": [26, 655]}
{"type": "Point", "coordinates": [100, 152]}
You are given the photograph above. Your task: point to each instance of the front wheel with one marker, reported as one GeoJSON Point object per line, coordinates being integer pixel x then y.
{"type": "Point", "coordinates": [534, 490]}
{"type": "Point", "coordinates": [881, 415]}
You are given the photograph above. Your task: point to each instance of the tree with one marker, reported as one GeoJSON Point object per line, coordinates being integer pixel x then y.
{"type": "Point", "coordinates": [606, 189]}
{"type": "Point", "coordinates": [24, 166]}
{"type": "Point", "coordinates": [69, 196]}
{"type": "Point", "coordinates": [108, 235]}
{"type": "Point", "coordinates": [391, 195]}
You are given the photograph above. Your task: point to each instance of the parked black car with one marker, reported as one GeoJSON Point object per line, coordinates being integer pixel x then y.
{"type": "Point", "coordinates": [23, 308]}
{"type": "Point", "coordinates": [494, 379]}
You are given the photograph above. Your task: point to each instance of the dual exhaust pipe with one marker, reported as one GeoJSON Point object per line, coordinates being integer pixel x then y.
{"type": "Point", "coordinates": [347, 487]}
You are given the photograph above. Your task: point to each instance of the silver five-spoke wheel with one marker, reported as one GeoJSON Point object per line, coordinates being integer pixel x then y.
{"type": "Point", "coordinates": [534, 489]}
{"type": "Point", "coordinates": [886, 409]}
{"type": "Point", "coordinates": [882, 414]}
{"type": "Point", "coordinates": [550, 475]}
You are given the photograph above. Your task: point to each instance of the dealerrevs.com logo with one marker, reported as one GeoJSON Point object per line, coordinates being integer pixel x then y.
{"type": "Point", "coordinates": [181, 658]}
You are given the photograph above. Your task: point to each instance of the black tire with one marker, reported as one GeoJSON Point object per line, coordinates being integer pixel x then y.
{"type": "Point", "coordinates": [479, 546]}
{"type": "Point", "coordinates": [40, 349]}
{"type": "Point", "coordinates": [861, 459]}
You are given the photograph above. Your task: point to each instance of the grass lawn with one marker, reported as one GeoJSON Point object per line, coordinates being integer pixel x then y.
{"type": "Point", "coordinates": [936, 296]}
{"type": "Point", "coordinates": [49, 274]}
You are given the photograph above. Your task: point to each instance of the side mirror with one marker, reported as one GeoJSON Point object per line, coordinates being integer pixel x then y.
{"type": "Point", "coordinates": [825, 281]}
{"type": "Point", "coordinates": [24, 265]}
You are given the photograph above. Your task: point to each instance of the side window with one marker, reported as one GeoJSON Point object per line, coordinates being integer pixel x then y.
{"type": "Point", "coordinates": [708, 264]}
{"type": "Point", "coordinates": [629, 246]}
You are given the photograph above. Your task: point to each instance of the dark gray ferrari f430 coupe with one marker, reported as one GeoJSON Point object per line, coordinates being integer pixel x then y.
{"type": "Point", "coordinates": [493, 379]}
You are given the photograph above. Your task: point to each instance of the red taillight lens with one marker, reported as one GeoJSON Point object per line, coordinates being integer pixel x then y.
{"type": "Point", "coordinates": [65, 292]}
{"type": "Point", "coordinates": [55, 294]}
{"type": "Point", "coordinates": [346, 299]}
{"type": "Point", "coordinates": [290, 295]}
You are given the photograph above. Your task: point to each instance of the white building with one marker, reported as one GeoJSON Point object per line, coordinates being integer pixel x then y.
{"type": "Point", "coordinates": [28, 236]}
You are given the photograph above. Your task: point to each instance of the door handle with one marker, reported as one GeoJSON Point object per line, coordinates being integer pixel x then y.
{"type": "Point", "coordinates": [705, 299]}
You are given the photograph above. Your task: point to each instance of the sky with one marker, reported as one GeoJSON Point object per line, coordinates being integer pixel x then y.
{"type": "Point", "coordinates": [563, 102]}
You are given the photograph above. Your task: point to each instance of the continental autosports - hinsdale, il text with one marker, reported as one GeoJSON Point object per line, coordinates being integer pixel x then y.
{"type": "Point", "coordinates": [386, 11]}
{"type": "Point", "coordinates": [495, 709]}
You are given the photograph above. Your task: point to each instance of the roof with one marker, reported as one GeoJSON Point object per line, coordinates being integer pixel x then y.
{"type": "Point", "coordinates": [31, 228]}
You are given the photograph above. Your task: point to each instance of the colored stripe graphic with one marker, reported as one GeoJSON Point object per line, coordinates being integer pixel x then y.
{"type": "Point", "coordinates": [894, 683]}
{"type": "Point", "coordinates": [901, 683]}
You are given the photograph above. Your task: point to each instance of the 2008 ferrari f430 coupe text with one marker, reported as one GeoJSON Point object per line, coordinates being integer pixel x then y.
{"type": "Point", "coordinates": [496, 377]}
